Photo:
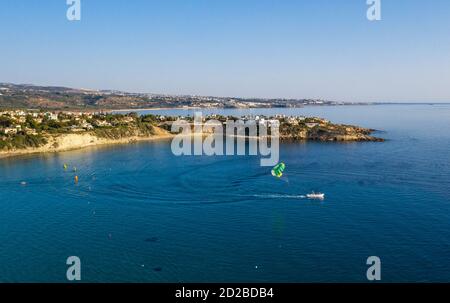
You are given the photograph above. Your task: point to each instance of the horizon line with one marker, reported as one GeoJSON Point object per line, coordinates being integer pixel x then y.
{"type": "Point", "coordinates": [222, 96]}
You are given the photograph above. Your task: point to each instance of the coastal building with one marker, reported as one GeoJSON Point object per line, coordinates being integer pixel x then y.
{"type": "Point", "coordinates": [86, 126]}
{"type": "Point", "coordinates": [311, 125]}
{"type": "Point", "coordinates": [101, 123]}
{"type": "Point", "coordinates": [292, 121]}
{"type": "Point", "coordinates": [278, 116]}
{"type": "Point", "coordinates": [76, 129]}
{"type": "Point", "coordinates": [127, 119]}
{"type": "Point", "coordinates": [51, 116]}
{"type": "Point", "coordinates": [30, 131]}
{"type": "Point", "coordinates": [10, 131]}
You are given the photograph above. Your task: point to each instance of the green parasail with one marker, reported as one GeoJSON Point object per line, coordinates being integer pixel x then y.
{"type": "Point", "coordinates": [277, 171]}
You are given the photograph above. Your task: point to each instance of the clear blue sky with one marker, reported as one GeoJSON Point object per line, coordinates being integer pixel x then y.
{"type": "Point", "coordinates": [262, 48]}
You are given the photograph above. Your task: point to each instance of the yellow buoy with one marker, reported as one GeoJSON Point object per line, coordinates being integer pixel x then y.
{"type": "Point", "coordinates": [76, 179]}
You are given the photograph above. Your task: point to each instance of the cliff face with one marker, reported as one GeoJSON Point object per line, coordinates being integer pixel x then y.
{"type": "Point", "coordinates": [326, 132]}
{"type": "Point", "coordinates": [72, 141]}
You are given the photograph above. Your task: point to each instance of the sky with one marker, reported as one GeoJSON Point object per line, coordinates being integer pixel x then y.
{"type": "Point", "coordinates": [324, 49]}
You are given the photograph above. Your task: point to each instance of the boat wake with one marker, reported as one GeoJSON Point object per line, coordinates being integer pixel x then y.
{"type": "Point", "coordinates": [275, 196]}
{"type": "Point", "coordinates": [312, 196]}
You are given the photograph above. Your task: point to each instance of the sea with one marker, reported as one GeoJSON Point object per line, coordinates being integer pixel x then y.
{"type": "Point", "coordinates": [139, 213]}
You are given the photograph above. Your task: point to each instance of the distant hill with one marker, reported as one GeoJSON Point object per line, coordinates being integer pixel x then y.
{"type": "Point", "coordinates": [63, 98]}
{"type": "Point", "coordinates": [52, 97]}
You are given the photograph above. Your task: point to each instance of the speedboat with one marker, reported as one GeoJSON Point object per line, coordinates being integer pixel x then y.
{"type": "Point", "coordinates": [314, 195]}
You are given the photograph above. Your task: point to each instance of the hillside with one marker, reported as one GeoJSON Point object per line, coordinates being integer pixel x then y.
{"type": "Point", "coordinates": [26, 96]}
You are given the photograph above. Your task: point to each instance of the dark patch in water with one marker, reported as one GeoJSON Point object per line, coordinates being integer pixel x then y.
{"type": "Point", "coordinates": [158, 269]}
{"type": "Point", "coordinates": [152, 239]}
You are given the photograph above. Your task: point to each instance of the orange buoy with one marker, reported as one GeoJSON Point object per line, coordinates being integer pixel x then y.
{"type": "Point", "coordinates": [76, 179]}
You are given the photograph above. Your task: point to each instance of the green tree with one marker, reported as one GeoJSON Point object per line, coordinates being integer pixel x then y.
{"type": "Point", "coordinates": [5, 121]}
{"type": "Point", "coordinates": [31, 123]}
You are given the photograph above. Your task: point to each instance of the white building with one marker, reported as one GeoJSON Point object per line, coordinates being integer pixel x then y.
{"type": "Point", "coordinates": [52, 116]}
{"type": "Point", "coordinates": [10, 131]}
{"type": "Point", "coordinates": [311, 125]}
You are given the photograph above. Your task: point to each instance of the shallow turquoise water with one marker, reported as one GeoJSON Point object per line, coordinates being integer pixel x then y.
{"type": "Point", "coordinates": [141, 214]}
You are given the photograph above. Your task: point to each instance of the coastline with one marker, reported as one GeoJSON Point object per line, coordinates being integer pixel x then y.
{"type": "Point", "coordinates": [39, 133]}
{"type": "Point", "coordinates": [69, 142]}
{"type": "Point", "coordinates": [126, 110]}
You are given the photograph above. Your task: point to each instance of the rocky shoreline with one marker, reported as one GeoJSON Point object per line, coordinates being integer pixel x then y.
{"type": "Point", "coordinates": [334, 133]}
{"type": "Point", "coordinates": [41, 133]}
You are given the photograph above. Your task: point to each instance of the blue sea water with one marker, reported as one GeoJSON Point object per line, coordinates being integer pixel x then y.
{"type": "Point", "coordinates": [141, 214]}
